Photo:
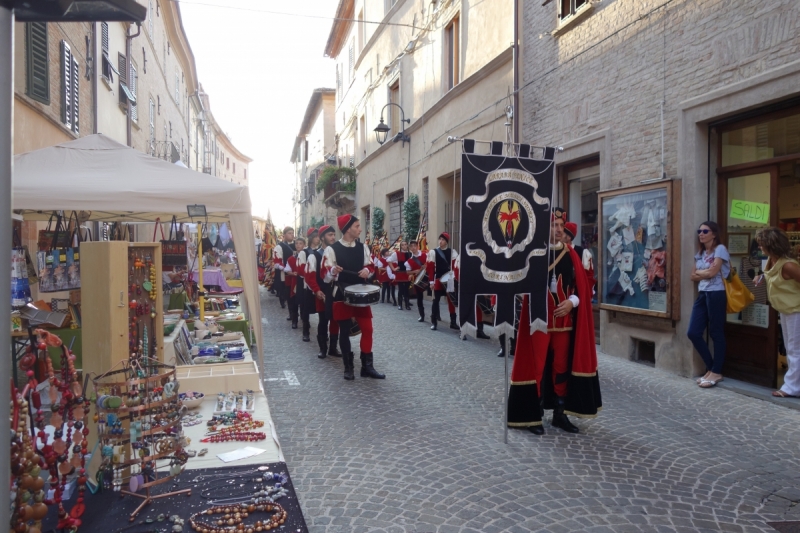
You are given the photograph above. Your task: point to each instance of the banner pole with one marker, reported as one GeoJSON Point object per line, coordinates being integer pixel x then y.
{"type": "Point", "coordinates": [505, 419]}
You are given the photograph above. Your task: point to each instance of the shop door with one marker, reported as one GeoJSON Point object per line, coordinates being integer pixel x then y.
{"type": "Point", "coordinates": [747, 202]}
{"type": "Point", "coordinates": [395, 215]}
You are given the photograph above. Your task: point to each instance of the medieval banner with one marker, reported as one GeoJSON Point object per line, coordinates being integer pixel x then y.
{"type": "Point", "coordinates": [505, 231]}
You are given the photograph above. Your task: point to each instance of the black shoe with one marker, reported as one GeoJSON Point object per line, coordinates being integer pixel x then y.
{"type": "Point", "coordinates": [453, 325]}
{"type": "Point", "coordinates": [561, 421]}
{"type": "Point", "coordinates": [294, 325]}
{"type": "Point", "coordinates": [408, 308]}
{"type": "Point", "coordinates": [323, 346]}
{"type": "Point", "coordinates": [288, 318]}
{"type": "Point", "coordinates": [421, 318]}
{"type": "Point", "coordinates": [481, 334]}
{"type": "Point", "coordinates": [306, 338]}
{"type": "Point", "coordinates": [382, 301]}
{"type": "Point", "coordinates": [399, 307]}
{"type": "Point", "coordinates": [433, 327]}
{"type": "Point", "coordinates": [501, 353]}
{"type": "Point", "coordinates": [348, 367]}
{"type": "Point", "coordinates": [367, 370]}
{"type": "Point", "coordinates": [537, 430]}
{"type": "Point", "coordinates": [332, 351]}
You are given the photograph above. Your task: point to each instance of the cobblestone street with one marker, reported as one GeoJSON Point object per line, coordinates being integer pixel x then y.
{"type": "Point", "coordinates": [423, 450]}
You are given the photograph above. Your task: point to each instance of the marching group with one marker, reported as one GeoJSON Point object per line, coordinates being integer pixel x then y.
{"type": "Point", "coordinates": [555, 368]}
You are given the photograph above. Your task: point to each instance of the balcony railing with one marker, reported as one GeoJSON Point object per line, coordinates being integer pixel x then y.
{"type": "Point", "coordinates": [165, 150]}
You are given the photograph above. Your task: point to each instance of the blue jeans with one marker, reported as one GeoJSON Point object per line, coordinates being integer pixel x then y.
{"type": "Point", "coordinates": [709, 310]}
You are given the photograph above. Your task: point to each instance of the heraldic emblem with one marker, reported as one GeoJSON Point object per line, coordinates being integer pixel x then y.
{"type": "Point", "coordinates": [505, 231]}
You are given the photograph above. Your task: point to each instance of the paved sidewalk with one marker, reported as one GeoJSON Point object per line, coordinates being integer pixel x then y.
{"type": "Point", "coordinates": [423, 450]}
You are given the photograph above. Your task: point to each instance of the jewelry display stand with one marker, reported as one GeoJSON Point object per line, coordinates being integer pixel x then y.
{"type": "Point", "coordinates": [146, 427]}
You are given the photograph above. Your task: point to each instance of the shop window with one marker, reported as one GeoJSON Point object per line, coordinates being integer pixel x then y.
{"type": "Point", "coordinates": [761, 139]}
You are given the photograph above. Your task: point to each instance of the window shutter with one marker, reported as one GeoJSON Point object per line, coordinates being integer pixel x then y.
{"type": "Point", "coordinates": [134, 81]}
{"type": "Point", "coordinates": [38, 75]}
{"type": "Point", "coordinates": [75, 96]}
{"type": "Point", "coordinates": [66, 84]}
{"type": "Point", "coordinates": [104, 37]}
{"type": "Point", "coordinates": [351, 59]}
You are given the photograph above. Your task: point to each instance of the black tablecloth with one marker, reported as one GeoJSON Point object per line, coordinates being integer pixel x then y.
{"type": "Point", "coordinates": [107, 512]}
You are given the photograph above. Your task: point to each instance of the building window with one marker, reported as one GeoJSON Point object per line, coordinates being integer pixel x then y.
{"type": "Point", "coordinates": [170, 129]}
{"type": "Point", "coordinates": [227, 163]}
{"type": "Point", "coordinates": [234, 167]}
{"type": "Point", "coordinates": [425, 200]}
{"type": "Point", "coordinates": [395, 215]}
{"type": "Point", "coordinates": [70, 88]}
{"type": "Point", "coordinates": [133, 86]}
{"type": "Point", "coordinates": [569, 8]}
{"type": "Point", "coordinates": [152, 122]}
{"type": "Point", "coordinates": [362, 33]}
{"type": "Point", "coordinates": [338, 83]}
{"type": "Point", "coordinates": [453, 55]}
{"type": "Point", "coordinates": [150, 18]}
{"type": "Point", "coordinates": [362, 136]}
{"type": "Point", "coordinates": [158, 98]}
{"type": "Point", "coordinates": [37, 60]}
{"type": "Point", "coordinates": [394, 111]}
{"type": "Point", "coordinates": [108, 69]}
{"type": "Point", "coordinates": [177, 86]}
{"type": "Point", "coordinates": [351, 59]}
{"type": "Point", "coordinates": [245, 174]}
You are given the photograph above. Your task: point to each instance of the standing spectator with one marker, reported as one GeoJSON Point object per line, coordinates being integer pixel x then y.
{"type": "Point", "coordinates": [711, 265]}
{"type": "Point", "coordinates": [783, 290]}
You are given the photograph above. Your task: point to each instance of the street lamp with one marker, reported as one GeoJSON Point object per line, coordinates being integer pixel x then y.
{"type": "Point", "coordinates": [382, 130]}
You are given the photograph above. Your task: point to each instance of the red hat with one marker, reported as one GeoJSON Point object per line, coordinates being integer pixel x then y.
{"type": "Point", "coordinates": [311, 231]}
{"type": "Point", "coordinates": [325, 229]}
{"type": "Point", "coordinates": [571, 228]}
{"type": "Point", "coordinates": [444, 235]}
{"type": "Point", "coordinates": [345, 221]}
{"type": "Point", "coordinates": [559, 214]}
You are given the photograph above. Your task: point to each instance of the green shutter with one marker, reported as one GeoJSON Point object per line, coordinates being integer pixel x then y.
{"type": "Point", "coordinates": [38, 76]}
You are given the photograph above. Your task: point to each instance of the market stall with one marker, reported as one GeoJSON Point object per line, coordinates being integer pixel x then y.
{"type": "Point", "coordinates": [112, 182]}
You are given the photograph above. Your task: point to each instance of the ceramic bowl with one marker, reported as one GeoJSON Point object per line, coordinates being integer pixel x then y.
{"type": "Point", "coordinates": [191, 399]}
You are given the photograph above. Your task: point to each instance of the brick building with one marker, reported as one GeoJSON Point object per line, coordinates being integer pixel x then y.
{"type": "Point", "coordinates": [690, 104]}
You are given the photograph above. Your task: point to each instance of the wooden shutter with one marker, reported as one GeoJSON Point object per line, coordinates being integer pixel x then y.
{"type": "Point", "coordinates": [37, 61]}
{"type": "Point", "coordinates": [122, 63]}
{"type": "Point", "coordinates": [133, 81]}
{"type": "Point", "coordinates": [66, 85]}
{"type": "Point", "coordinates": [351, 60]}
{"type": "Point", "coordinates": [76, 77]}
{"type": "Point", "coordinates": [104, 37]}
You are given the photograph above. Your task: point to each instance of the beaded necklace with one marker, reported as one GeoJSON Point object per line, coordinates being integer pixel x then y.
{"type": "Point", "coordinates": [232, 519]}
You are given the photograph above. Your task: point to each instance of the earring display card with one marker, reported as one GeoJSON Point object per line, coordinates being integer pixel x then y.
{"type": "Point", "coordinates": [634, 242]}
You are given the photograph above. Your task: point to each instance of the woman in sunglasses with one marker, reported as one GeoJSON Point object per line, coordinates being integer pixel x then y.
{"type": "Point", "coordinates": [711, 265]}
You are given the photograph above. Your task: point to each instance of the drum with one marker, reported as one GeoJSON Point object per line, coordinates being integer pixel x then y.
{"type": "Point", "coordinates": [362, 295]}
{"type": "Point", "coordinates": [354, 330]}
{"type": "Point", "coordinates": [421, 282]}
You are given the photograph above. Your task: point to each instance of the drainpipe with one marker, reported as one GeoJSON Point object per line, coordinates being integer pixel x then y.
{"type": "Point", "coordinates": [95, 78]}
{"type": "Point", "coordinates": [128, 48]}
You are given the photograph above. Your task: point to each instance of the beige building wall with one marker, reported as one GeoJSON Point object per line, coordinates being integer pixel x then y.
{"type": "Point", "coordinates": [409, 59]}
{"type": "Point", "coordinates": [596, 87]}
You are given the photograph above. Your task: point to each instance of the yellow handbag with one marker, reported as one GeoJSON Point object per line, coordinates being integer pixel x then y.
{"type": "Point", "coordinates": [739, 296]}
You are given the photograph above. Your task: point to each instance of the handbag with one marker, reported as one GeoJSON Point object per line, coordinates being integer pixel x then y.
{"type": "Point", "coordinates": [173, 250]}
{"type": "Point", "coordinates": [60, 267]}
{"type": "Point", "coordinates": [738, 295]}
{"type": "Point", "coordinates": [46, 235]}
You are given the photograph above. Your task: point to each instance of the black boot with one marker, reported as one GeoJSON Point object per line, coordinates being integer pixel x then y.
{"type": "Point", "coordinates": [433, 322]}
{"type": "Point", "coordinates": [421, 316]}
{"type": "Point", "coordinates": [537, 430]}
{"type": "Point", "coordinates": [453, 324]}
{"type": "Point", "coordinates": [367, 370]}
{"type": "Point", "coordinates": [502, 352]}
{"type": "Point", "coordinates": [481, 334]}
{"type": "Point", "coordinates": [332, 351]}
{"type": "Point", "coordinates": [561, 421]}
{"type": "Point", "coordinates": [323, 346]}
{"type": "Point", "coordinates": [348, 366]}
{"type": "Point", "coordinates": [306, 331]}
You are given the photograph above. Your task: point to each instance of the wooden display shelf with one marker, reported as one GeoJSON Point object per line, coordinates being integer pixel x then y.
{"type": "Point", "coordinates": [212, 378]}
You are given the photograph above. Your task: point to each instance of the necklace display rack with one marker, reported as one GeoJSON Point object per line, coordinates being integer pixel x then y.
{"type": "Point", "coordinates": [139, 427]}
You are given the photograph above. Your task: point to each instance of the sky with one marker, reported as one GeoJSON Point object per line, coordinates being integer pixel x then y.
{"type": "Point", "coordinates": [259, 70]}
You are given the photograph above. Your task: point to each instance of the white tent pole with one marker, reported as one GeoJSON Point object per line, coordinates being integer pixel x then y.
{"type": "Point", "coordinates": [6, 170]}
{"type": "Point", "coordinates": [201, 301]}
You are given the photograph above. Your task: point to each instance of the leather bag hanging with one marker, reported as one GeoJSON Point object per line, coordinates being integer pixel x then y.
{"type": "Point", "coordinates": [738, 295]}
{"type": "Point", "coordinates": [46, 235]}
{"type": "Point", "coordinates": [173, 250]}
{"type": "Point", "coordinates": [60, 267]}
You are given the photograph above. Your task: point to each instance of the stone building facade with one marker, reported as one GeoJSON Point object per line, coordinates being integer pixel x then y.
{"type": "Point", "coordinates": [314, 149]}
{"type": "Point", "coordinates": [638, 92]}
{"type": "Point", "coordinates": [441, 62]}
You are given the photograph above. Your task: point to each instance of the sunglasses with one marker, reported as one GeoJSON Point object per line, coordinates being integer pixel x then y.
{"type": "Point", "coordinates": [703, 231]}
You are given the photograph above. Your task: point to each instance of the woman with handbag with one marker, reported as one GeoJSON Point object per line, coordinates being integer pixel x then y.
{"type": "Point", "coordinates": [783, 290]}
{"type": "Point", "coordinates": [711, 266]}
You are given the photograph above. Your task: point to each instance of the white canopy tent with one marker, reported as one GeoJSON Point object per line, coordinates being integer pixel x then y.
{"type": "Point", "coordinates": [116, 183]}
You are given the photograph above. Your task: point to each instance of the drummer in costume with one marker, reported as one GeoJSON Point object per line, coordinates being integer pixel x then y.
{"type": "Point", "coordinates": [440, 270]}
{"type": "Point", "coordinates": [347, 262]}
{"type": "Point", "coordinates": [323, 296]}
{"type": "Point", "coordinates": [414, 265]}
{"type": "Point", "coordinates": [307, 304]}
{"type": "Point", "coordinates": [282, 253]}
{"type": "Point", "coordinates": [560, 366]}
{"type": "Point", "coordinates": [399, 258]}
{"type": "Point", "coordinates": [293, 273]}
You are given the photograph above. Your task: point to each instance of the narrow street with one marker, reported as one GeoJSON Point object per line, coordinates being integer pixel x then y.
{"type": "Point", "coordinates": [423, 450]}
